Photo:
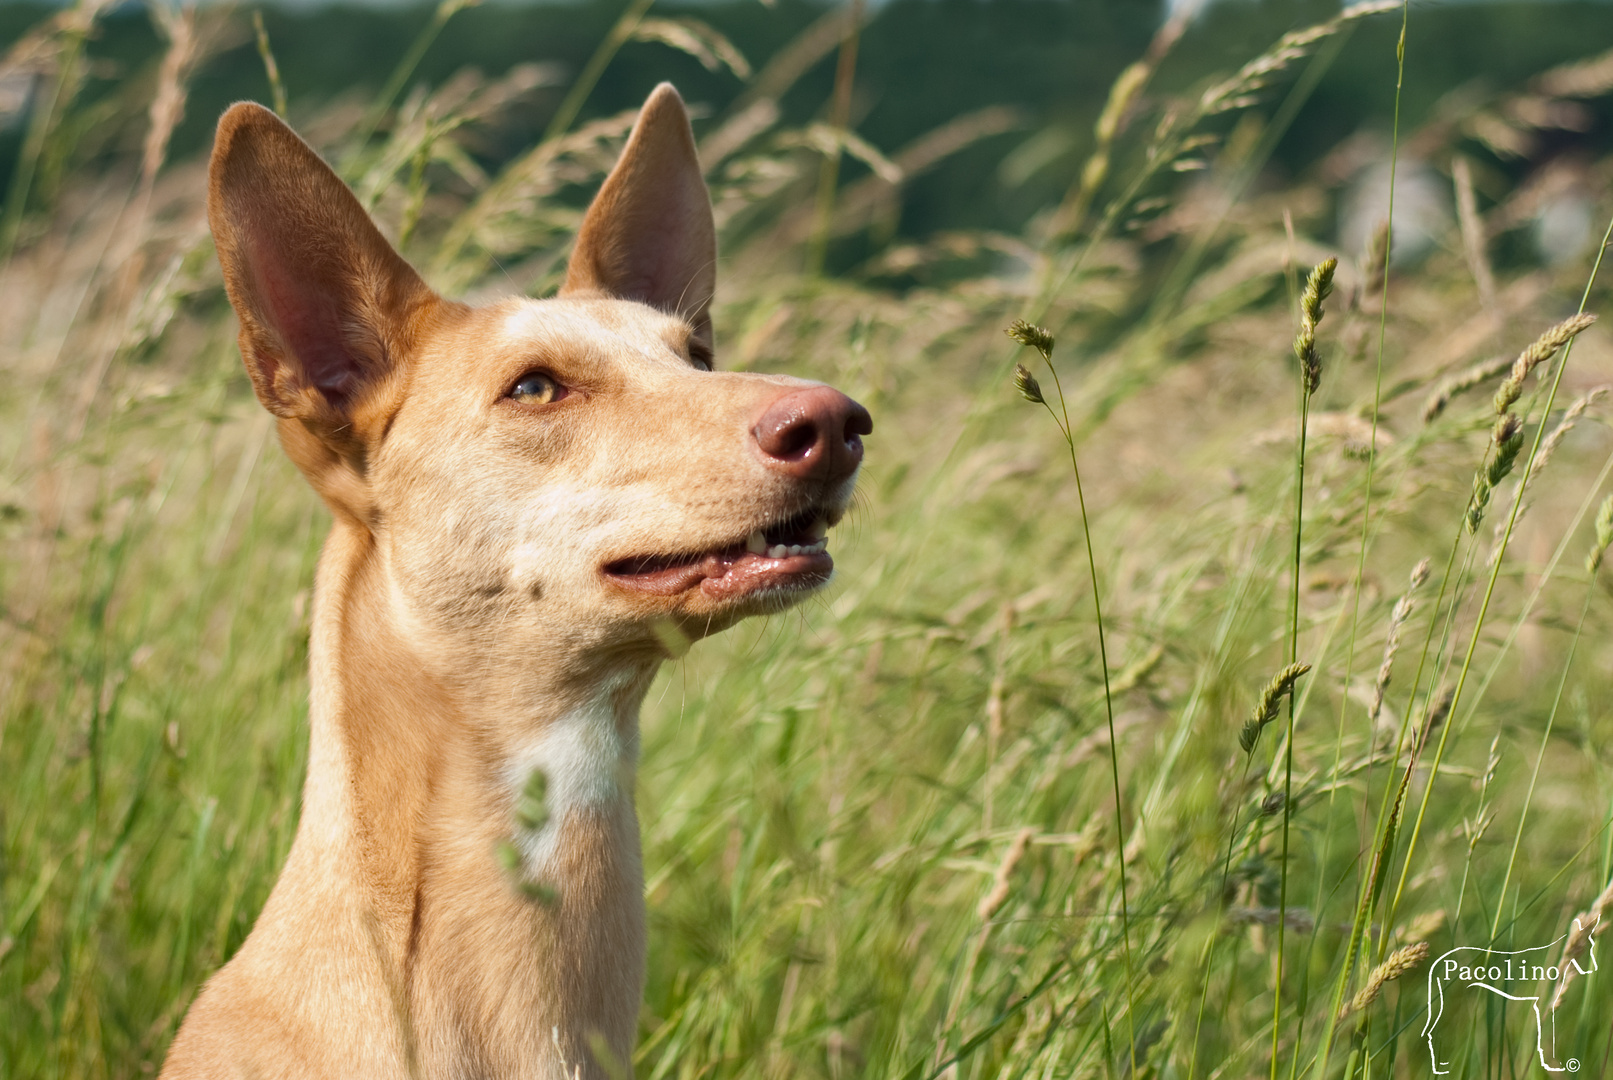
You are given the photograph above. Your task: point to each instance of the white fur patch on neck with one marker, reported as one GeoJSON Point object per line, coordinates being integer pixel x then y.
{"type": "Point", "coordinates": [589, 764]}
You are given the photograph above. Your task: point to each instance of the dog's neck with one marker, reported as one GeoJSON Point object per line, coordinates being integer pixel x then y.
{"type": "Point", "coordinates": [414, 776]}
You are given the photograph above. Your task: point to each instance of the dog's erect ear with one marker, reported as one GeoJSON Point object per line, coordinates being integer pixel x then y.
{"type": "Point", "coordinates": [326, 306]}
{"type": "Point", "coordinates": [649, 234]}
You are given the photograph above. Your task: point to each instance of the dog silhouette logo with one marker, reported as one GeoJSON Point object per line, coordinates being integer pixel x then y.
{"type": "Point", "coordinates": [1526, 976]}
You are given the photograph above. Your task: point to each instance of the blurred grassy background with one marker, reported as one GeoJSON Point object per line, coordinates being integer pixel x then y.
{"type": "Point", "coordinates": [881, 833]}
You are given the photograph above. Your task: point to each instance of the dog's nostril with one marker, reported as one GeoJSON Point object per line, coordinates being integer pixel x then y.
{"type": "Point", "coordinates": [858, 422]}
{"type": "Point", "coordinates": [795, 440]}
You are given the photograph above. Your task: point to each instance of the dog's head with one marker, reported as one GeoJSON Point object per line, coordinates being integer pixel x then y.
{"type": "Point", "coordinates": [571, 464]}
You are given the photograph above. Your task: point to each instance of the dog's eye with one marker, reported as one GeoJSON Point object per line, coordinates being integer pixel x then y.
{"type": "Point", "coordinates": [536, 388]}
{"type": "Point", "coordinates": [700, 356]}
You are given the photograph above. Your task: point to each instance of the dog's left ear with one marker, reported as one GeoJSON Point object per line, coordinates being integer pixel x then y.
{"type": "Point", "coordinates": [649, 235]}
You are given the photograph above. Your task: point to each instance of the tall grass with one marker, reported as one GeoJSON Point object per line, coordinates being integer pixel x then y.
{"type": "Point", "coordinates": [954, 820]}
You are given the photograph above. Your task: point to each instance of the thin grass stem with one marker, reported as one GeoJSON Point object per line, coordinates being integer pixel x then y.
{"type": "Point", "coordinates": [566, 112]}
{"type": "Point", "coordinates": [1489, 590]}
{"type": "Point", "coordinates": [1043, 342]}
{"type": "Point", "coordinates": [1341, 987]}
{"type": "Point", "coordinates": [1540, 757]}
{"type": "Point", "coordinates": [445, 10]}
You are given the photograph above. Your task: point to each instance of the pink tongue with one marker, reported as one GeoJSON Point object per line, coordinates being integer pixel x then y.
{"type": "Point", "coordinates": [743, 573]}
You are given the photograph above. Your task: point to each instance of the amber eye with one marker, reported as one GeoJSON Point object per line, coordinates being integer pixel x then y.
{"type": "Point", "coordinates": [536, 388]}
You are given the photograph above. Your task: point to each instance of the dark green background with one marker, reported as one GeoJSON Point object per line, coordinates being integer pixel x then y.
{"type": "Point", "coordinates": [921, 63]}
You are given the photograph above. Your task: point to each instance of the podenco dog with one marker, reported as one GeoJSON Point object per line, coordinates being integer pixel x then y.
{"type": "Point", "coordinates": [530, 500]}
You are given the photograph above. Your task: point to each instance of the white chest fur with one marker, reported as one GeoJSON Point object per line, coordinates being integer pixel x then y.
{"type": "Point", "coordinates": [588, 758]}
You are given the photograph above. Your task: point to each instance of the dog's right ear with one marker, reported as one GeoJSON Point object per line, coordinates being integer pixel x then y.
{"type": "Point", "coordinates": [327, 307]}
{"type": "Point", "coordinates": [649, 234]}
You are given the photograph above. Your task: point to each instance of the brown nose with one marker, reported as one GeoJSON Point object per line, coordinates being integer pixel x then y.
{"type": "Point", "coordinates": [813, 434]}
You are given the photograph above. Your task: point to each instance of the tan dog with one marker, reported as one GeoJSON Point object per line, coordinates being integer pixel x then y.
{"type": "Point", "coordinates": [529, 500]}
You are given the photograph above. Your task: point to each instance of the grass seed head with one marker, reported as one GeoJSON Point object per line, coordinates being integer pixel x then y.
{"type": "Point", "coordinates": [1373, 262]}
{"type": "Point", "coordinates": [1508, 438]}
{"type": "Point", "coordinates": [1584, 928]}
{"type": "Point", "coordinates": [1026, 384]}
{"type": "Point", "coordinates": [1397, 964]}
{"type": "Point", "coordinates": [1032, 336]}
{"type": "Point", "coordinates": [1506, 428]}
{"type": "Point", "coordinates": [1508, 441]}
{"type": "Point", "coordinates": [1604, 536]}
{"type": "Point", "coordinates": [1397, 621]}
{"type": "Point", "coordinates": [1317, 289]}
{"type": "Point", "coordinates": [1543, 348]}
{"type": "Point", "coordinates": [1439, 708]}
{"type": "Point", "coordinates": [1265, 710]}
{"type": "Point", "coordinates": [1419, 573]}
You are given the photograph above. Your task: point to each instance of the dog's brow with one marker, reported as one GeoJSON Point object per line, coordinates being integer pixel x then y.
{"type": "Point", "coordinates": [524, 323]}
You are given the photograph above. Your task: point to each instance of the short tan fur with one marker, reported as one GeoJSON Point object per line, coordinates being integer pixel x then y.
{"type": "Point", "coordinates": [530, 500]}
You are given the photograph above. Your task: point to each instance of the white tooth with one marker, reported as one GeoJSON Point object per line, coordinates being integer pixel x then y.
{"type": "Point", "coordinates": [819, 528]}
{"type": "Point", "coordinates": [796, 549]}
{"type": "Point", "coordinates": [777, 551]}
{"type": "Point", "coordinates": [756, 543]}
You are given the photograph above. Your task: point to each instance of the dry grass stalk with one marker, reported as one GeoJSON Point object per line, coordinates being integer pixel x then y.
{"type": "Point", "coordinates": [1586, 923]}
{"type": "Point", "coordinates": [1397, 621]}
{"type": "Point", "coordinates": [1122, 93]}
{"type": "Point", "coordinates": [994, 899]}
{"type": "Point", "coordinates": [873, 198]}
{"type": "Point", "coordinates": [1439, 707]}
{"type": "Point", "coordinates": [1296, 919]}
{"type": "Point", "coordinates": [757, 109]}
{"type": "Point", "coordinates": [1238, 91]}
{"type": "Point", "coordinates": [1592, 77]}
{"type": "Point", "coordinates": [1374, 264]}
{"type": "Point", "coordinates": [1402, 960]}
{"type": "Point", "coordinates": [515, 211]}
{"type": "Point", "coordinates": [1424, 926]}
{"type": "Point", "coordinates": [168, 105]}
{"type": "Point", "coordinates": [271, 67]}
{"type": "Point", "coordinates": [699, 40]}
{"type": "Point", "coordinates": [1352, 433]}
{"type": "Point", "coordinates": [1466, 379]}
{"type": "Point", "coordinates": [1564, 426]}
{"type": "Point", "coordinates": [1478, 260]}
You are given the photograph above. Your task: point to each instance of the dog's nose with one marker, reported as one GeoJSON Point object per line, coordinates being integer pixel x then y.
{"type": "Point", "coordinates": [813, 434]}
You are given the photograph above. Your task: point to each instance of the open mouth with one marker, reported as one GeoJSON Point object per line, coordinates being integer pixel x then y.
{"type": "Point", "coordinates": [793, 553]}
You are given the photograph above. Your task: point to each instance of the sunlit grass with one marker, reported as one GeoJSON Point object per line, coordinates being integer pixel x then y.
{"type": "Point", "coordinates": [883, 833]}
